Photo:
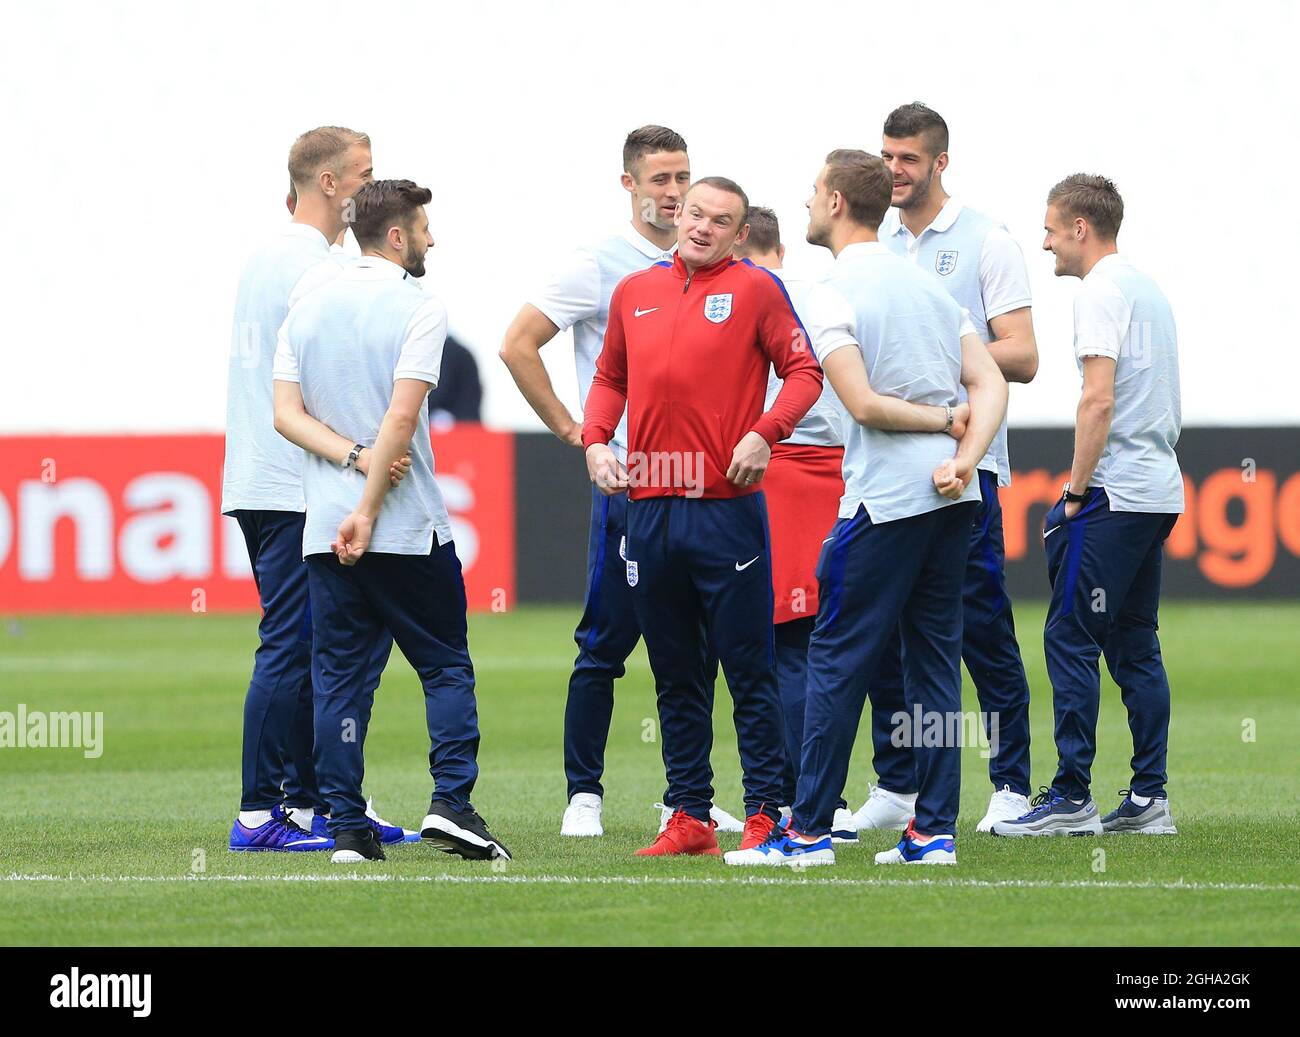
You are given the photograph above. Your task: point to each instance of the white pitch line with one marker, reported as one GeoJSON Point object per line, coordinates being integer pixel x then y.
{"type": "Point", "coordinates": [631, 880]}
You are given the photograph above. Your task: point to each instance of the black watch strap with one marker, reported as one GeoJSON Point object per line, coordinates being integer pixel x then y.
{"type": "Point", "coordinates": [1074, 498]}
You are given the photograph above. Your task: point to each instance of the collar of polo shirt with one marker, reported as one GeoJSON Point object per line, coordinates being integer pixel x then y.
{"type": "Point", "coordinates": [863, 248]}
{"type": "Point", "coordinates": [1108, 260]}
{"type": "Point", "coordinates": [942, 221]}
{"type": "Point", "coordinates": [304, 230]}
{"type": "Point", "coordinates": [644, 245]}
{"type": "Point", "coordinates": [374, 268]}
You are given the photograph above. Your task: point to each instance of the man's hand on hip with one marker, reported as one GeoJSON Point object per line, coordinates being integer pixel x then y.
{"type": "Point", "coordinates": [749, 460]}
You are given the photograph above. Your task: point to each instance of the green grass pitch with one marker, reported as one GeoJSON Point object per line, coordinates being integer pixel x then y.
{"type": "Point", "coordinates": [130, 848]}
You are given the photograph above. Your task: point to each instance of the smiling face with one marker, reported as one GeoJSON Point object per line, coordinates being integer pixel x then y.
{"type": "Point", "coordinates": [657, 183]}
{"type": "Point", "coordinates": [710, 226]}
{"type": "Point", "coordinates": [1064, 239]}
{"type": "Point", "coordinates": [913, 167]}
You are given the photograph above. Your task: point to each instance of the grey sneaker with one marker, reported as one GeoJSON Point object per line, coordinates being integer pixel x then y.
{"type": "Point", "coordinates": [1152, 819]}
{"type": "Point", "coordinates": [1053, 815]}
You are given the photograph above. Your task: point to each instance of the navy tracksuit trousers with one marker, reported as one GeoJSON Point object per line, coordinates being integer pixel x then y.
{"type": "Point", "coordinates": [419, 602]}
{"type": "Point", "coordinates": [992, 656]}
{"type": "Point", "coordinates": [1105, 571]}
{"type": "Point", "coordinates": [901, 578]}
{"type": "Point", "coordinates": [792, 685]}
{"type": "Point", "coordinates": [607, 634]}
{"type": "Point", "coordinates": [278, 712]}
{"type": "Point", "coordinates": [700, 574]}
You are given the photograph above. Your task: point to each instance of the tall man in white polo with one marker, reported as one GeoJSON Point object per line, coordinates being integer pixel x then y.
{"type": "Point", "coordinates": [262, 491]}
{"type": "Point", "coordinates": [656, 174]}
{"type": "Point", "coordinates": [982, 268]}
{"type": "Point", "coordinates": [1105, 538]}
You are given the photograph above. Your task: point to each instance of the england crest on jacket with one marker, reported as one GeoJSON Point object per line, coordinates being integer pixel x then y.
{"type": "Point", "coordinates": [632, 575]}
{"type": "Point", "coordinates": [717, 308]}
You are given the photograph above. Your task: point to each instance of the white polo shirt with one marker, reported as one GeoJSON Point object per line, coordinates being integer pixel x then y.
{"type": "Point", "coordinates": [1121, 313]}
{"type": "Point", "coordinates": [577, 296]}
{"type": "Point", "coordinates": [982, 267]}
{"type": "Point", "coordinates": [828, 319]}
{"type": "Point", "coordinates": [345, 344]}
{"type": "Point", "coordinates": [909, 331]}
{"type": "Point", "coordinates": [263, 470]}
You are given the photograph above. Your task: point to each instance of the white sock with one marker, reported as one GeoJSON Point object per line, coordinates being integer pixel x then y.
{"type": "Point", "coordinates": [1139, 801]}
{"type": "Point", "coordinates": [254, 818]}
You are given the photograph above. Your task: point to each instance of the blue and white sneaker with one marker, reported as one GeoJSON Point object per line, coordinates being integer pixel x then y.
{"type": "Point", "coordinates": [843, 828]}
{"type": "Point", "coordinates": [1053, 815]}
{"type": "Point", "coordinates": [785, 846]}
{"type": "Point", "coordinates": [279, 833]}
{"type": "Point", "coordinates": [388, 833]}
{"type": "Point", "coordinates": [921, 849]}
{"type": "Point", "coordinates": [1152, 819]}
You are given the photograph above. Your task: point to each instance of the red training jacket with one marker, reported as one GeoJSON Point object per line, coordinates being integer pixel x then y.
{"type": "Point", "coordinates": [688, 356]}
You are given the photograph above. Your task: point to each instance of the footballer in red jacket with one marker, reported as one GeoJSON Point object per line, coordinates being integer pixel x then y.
{"type": "Point", "coordinates": [687, 352]}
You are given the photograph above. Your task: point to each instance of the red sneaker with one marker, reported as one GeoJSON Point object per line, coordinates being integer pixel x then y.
{"type": "Point", "coordinates": [683, 835]}
{"type": "Point", "coordinates": [757, 828]}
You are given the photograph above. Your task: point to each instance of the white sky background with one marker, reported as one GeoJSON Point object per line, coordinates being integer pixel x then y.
{"type": "Point", "coordinates": [145, 146]}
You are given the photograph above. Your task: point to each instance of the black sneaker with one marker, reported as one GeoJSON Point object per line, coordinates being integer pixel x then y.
{"type": "Point", "coordinates": [461, 832]}
{"type": "Point", "coordinates": [357, 845]}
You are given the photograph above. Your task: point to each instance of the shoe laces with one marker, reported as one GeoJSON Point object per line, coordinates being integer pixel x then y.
{"type": "Point", "coordinates": [756, 823]}
{"type": "Point", "coordinates": [679, 828]}
{"type": "Point", "coordinates": [288, 822]}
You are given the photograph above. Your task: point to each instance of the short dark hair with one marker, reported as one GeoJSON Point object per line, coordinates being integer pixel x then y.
{"type": "Point", "coordinates": [319, 149]}
{"type": "Point", "coordinates": [721, 183]}
{"type": "Point", "coordinates": [1095, 198]}
{"type": "Point", "coordinates": [764, 232]}
{"type": "Point", "coordinates": [647, 140]}
{"type": "Point", "coordinates": [865, 182]}
{"type": "Point", "coordinates": [382, 204]}
{"type": "Point", "coordinates": [918, 120]}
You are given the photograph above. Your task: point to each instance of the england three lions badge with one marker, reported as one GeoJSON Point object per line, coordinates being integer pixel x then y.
{"type": "Point", "coordinates": [632, 575]}
{"type": "Point", "coordinates": [717, 308]}
{"type": "Point", "coordinates": [945, 262]}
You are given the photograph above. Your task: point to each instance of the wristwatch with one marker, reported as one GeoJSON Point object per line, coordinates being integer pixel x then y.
{"type": "Point", "coordinates": [353, 454]}
{"type": "Point", "coordinates": [948, 408]}
{"type": "Point", "coordinates": [1074, 498]}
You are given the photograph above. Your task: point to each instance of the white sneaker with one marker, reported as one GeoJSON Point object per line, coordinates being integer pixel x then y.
{"type": "Point", "coordinates": [582, 815]}
{"type": "Point", "coordinates": [843, 828]}
{"type": "Point", "coordinates": [724, 821]}
{"type": "Point", "coordinates": [885, 809]}
{"type": "Point", "coordinates": [1005, 805]}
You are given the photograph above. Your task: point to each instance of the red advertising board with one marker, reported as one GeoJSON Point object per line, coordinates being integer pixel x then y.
{"type": "Point", "coordinates": [126, 523]}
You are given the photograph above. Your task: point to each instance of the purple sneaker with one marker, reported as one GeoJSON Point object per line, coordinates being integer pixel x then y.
{"type": "Point", "coordinates": [279, 833]}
